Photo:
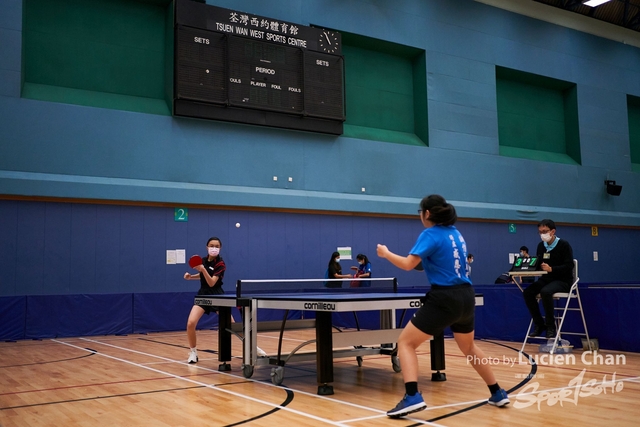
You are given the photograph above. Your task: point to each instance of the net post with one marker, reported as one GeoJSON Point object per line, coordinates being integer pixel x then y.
{"type": "Point", "coordinates": [238, 288]}
{"type": "Point", "coordinates": [395, 284]}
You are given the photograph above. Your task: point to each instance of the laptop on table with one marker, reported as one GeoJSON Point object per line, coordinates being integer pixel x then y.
{"type": "Point", "coordinates": [526, 268]}
{"type": "Point", "coordinates": [525, 264]}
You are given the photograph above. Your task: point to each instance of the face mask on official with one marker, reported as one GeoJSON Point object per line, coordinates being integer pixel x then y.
{"type": "Point", "coordinates": [213, 251]}
{"type": "Point", "coordinates": [546, 237]}
{"type": "Point", "coordinates": [337, 259]}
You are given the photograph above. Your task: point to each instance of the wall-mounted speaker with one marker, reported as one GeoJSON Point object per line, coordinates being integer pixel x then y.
{"type": "Point", "coordinates": [613, 188]}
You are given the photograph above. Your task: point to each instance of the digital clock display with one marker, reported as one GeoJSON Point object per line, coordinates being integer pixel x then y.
{"type": "Point", "coordinates": [245, 68]}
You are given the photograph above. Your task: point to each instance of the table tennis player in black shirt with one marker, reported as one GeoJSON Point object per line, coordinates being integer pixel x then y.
{"type": "Point", "coordinates": [210, 273]}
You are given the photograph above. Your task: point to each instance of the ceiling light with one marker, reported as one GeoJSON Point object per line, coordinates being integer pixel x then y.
{"type": "Point", "coordinates": [594, 3]}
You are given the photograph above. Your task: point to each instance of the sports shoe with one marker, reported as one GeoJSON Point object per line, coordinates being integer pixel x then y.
{"type": "Point", "coordinates": [193, 356]}
{"type": "Point", "coordinates": [408, 405]}
{"type": "Point", "coordinates": [551, 333]}
{"type": "Point", "coordinates": [499, 398]}
{"type": "Point", "coordinates": [261, 352]}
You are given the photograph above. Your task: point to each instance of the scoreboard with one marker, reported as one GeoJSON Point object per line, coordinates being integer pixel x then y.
{"type": "Point", "coordinates": [239, 67]}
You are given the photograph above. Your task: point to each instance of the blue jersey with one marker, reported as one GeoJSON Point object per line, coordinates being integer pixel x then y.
{"type": "Point", "coordinates": [362, 269]}
{"type": "Point", "coordinates": [444, 255]}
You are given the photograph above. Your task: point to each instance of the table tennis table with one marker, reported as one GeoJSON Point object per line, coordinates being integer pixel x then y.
{"type": "Point", "coordinates": [329, 345]}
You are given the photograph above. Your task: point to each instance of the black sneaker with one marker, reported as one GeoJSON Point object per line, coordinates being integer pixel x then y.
{"type": "Point", "coordinates": [551, 333]}
{"type": "Point", "coordinates": [537, 331]}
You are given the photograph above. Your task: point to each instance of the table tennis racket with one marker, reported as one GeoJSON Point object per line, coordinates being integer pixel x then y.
{"type": "Point", "coordinates": [195, 261]}
{"type": "Point", "coordinates": [419, 267]}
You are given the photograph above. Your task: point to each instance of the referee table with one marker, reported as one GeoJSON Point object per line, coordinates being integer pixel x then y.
{"type": "Point", "coordinates": [384, 296]}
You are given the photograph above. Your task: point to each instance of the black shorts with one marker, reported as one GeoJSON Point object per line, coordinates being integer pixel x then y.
{"type": "Point", "coordinates": [216, 290]}
{"type": "Point", "coordinates": [444, 306]}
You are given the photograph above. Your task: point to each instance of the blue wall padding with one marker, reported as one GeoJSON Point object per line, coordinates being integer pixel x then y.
{"type": "Point", "coordinates": [608, 311]}
{"type": "Point", "coordinates": [612, 316]}
{"type": "Point", "coordinates": [50, 316]}
{"type": "Point", "coordinates": [12, 317]}
{"type": "Point", "coordinates": [168, 311]}
{"type": "Point", "coordinates": [504, 315]}
{"type": "Point", "coordinates": [154, 312]}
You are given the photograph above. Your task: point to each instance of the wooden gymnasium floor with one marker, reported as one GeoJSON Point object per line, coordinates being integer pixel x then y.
{"type": "Point", "coordinates": [144, 380]}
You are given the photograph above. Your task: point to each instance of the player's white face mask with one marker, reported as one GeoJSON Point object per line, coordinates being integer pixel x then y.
{"type": "Point", "coordinates": [213, 251]}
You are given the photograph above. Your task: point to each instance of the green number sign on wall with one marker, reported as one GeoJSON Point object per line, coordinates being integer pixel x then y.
{"type": "Point", "coordinates": [181, 214]}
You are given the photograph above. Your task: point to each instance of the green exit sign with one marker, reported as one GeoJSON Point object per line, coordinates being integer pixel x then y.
{"type": "Point", "coordinates": [512, 228]}
{"type": "Point", "coordinates": [181, 214]}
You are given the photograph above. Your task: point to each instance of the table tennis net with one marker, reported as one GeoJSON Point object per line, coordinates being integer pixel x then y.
{"type": "Point", "coordinates": [252, 286]}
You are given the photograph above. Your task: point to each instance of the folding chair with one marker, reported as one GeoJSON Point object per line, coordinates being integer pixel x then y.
{"type": "Point", "coordinates": [561, 313]}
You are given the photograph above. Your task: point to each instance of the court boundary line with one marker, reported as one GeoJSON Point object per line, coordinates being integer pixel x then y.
{"type": "Point", "coordinates": [532, 372]}
{"type": "Point", "coordinates": [44, 363]}
{"type": "Point", "coordinates": [381, 413]}
{"type": "Point", "coordinates": [269, 384]}
{"type": "Point", "coordinates": [210, 386]}
{"type": "Point", "coordinates": [85, 399]}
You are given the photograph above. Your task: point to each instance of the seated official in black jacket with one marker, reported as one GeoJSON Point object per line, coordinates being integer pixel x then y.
{"type": "Point", "coordinates": [556, 256]}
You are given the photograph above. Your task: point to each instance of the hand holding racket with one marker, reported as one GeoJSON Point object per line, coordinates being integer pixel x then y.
{"type": "Point", "coordinates": [195, 261]}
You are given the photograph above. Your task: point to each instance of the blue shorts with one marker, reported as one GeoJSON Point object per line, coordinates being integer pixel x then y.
{"type": "Point", "coordinates": [447, 306]}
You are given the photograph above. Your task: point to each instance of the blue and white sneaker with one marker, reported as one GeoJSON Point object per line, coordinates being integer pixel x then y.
{"type": "Point", "coordinates": [499, 398]}
{"type": "Point", "coordinates": [408, 405]}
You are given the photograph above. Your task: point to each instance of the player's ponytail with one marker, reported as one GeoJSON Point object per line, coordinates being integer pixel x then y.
{"type": "Point", "coordinates": [440, 212]}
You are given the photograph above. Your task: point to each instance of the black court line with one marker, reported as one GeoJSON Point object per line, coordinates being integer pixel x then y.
{"type": "Point", "coordinates": [287, 401]}
{"type": "Point", "coordinates": [49, 361]}
{"type": "Point", "coordinates": [173, 345]}
{"type": "Point", "coordinates": [162, 342]}
{"type": "Point", "coordinates": [534, 369]}
{"type": "Point", "coordinates": [183, 346]}
{"type": "Point", "coordinates": [100, 397]}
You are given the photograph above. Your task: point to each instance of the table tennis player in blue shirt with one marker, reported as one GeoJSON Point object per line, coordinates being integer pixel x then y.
{"type": "Point", "coordinates": [450, 303]}
{"type": "Point", "coordinates": [363, 270]}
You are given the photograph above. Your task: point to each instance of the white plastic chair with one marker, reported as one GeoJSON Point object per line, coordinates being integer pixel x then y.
{"type": "Point", "coordinates": [561, 313]}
